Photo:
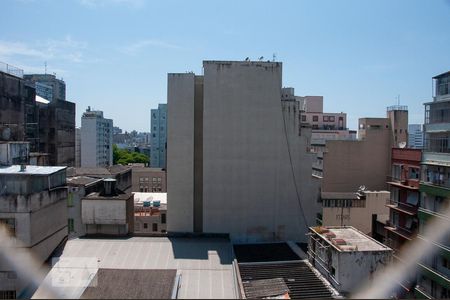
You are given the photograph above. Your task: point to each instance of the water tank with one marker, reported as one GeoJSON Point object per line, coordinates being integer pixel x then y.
{"type": "Point", "coordinates": [146, 203]}
{"type": "Point", "coordinates": [109, 186]}
{"type": "Point", "coordinates": [156, 203]}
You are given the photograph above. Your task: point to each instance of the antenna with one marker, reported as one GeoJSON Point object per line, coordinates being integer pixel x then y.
{"type": "Point", "coordinates": [274, 56]}
{"type": "Point", "coordinates": [45, 64]}
{"type": "Point", "coordinates": [398, 100]}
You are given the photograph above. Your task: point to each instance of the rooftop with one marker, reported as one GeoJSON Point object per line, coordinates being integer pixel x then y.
{"type": "Point", "coordinates": [276, 270]}
{"type": "Point", "coordinates": [205, 264]}
{"type": "Point", "coordinates": [116, 196]}
{"type": "Point", "coordinates": [81, 180]}
{"type": "Point", "coordinates": [348, 239]}
{"type": "Point", "coordinates": [442, 75]}
{"type": "Point", "coordinates": [30, 170]}
{"type": "Point", "coordinates": [139, 198]}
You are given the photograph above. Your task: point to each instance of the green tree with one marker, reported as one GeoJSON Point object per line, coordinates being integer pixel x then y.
{"type": "Point", "coordinates": [125, 157]}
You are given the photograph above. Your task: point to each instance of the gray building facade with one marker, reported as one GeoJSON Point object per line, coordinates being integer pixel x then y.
{"type": "Point", "coordinates": [48, 86]}
{"type": "Point", "coordinates": [415, 136]}
{"type": "Point", "coordinates": [237, 155]}
{"type": "Point", "coordinates": [158, 136]}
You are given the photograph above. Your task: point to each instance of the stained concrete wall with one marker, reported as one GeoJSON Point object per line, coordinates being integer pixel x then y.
{"type": "Point", "coordinates": [347, 165]}
{"type": "Point", "coordinates": [180, 152]}
{"type": "Point", "coordinates": [254, 164]}
{"type": "Point", "coordinates": [358, 217]}
{"type": "Point", "coordinates": [103, 211]}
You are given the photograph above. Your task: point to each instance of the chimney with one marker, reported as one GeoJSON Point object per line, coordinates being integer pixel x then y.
{"type": "Point", "coordinates": [109, 186]}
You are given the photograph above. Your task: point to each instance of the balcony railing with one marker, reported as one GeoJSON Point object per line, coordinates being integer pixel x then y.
{"type": "Point", "coordinates": [402, 207]}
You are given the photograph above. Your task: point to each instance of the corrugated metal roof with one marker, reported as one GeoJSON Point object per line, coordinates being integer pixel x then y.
{"type": "Point", "coordinates": [302, 282]}
{"type": "Point", "coordinates": [30, 170]}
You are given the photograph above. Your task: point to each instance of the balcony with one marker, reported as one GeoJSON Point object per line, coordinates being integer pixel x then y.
{"type": "Point", "coordinates": [400, 231]}
{"type": "Point", "coordinates": [420, 293]}
{"type": "Point", "coordinates": [425, 214]}
{"type": "Point", "coordinates": [434, 275]}
{"type": "Point", "coordinates": [405, 208]}
{"type": "Point", "coordinates": [435, 188]}
{"type": "Point", "coordinates": [411, 184]}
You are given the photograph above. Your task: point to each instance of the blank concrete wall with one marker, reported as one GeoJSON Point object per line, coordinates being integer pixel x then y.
{"type": "Point", "coordinates": [180, 152]}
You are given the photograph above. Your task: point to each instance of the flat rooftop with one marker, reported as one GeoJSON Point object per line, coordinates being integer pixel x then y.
{"type": "Point", "coordinates": [348, 239]}
{"type": "Point", "coordinates": [139, 198]}
{"type": "Point", "coordinates": [204, 264]}
{"type": "Point", "coordinates": [30, 170]}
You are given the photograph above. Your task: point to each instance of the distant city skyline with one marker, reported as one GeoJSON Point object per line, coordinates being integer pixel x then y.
{"type": "Point", "coordinates": [359, 55]}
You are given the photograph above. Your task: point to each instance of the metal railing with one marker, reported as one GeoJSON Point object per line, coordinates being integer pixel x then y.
{"type": "Point", "coordinates": [397, 107]}
{"type": "Point", "coordinates": [12, 70]}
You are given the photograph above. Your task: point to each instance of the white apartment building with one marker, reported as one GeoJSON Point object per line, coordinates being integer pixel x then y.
{"type": "Point", "coordinates": [96, 139]}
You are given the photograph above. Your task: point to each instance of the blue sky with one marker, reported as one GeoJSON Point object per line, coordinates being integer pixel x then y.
{"type": "Point", "coordinates": [115, 54]}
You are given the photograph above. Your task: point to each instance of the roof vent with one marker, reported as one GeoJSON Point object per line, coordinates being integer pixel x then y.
{"type": "Point", "coordinates": [23, 167]}
{"type": "Point", "coordinates": [109, 186]}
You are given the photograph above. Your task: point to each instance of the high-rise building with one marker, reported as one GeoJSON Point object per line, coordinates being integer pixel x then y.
{"type": "Point", "coordinates": [96, 139]}
{"type": "Point", "coordinates": [324, 126]}
{"type": "Point", "coordinates": [158, 136]}
{"type": "Point", "coordinates": [77, 147]}
{"type": "Point", "coordinates": [238, 159]}
{"type": "Point", "coordinates": [49, 126]}
{"type": "Point", "coordinates": [33, 208]}
{"type": "Point", "coordinates": [47, 86]}
{"type": "Point", "coordinates": [433, 280]}
{"type": "Point", "coordinates": [415, 136]}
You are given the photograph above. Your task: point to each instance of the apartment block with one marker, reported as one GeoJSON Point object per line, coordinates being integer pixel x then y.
{"type": "Point", "coordinates": [148, 180]}
{"type": "Point", "coordinates": [96, 139]}
{"type": "Point", "coordinates": [150, 213]}
{"type": "Point", "coordinates": [48, 86]}
{"type": "Point", "coordinates": [238, 159]}
{"type": "Point", "coordinates": [433, 280]}
{"type": "Point", "coordinates": [158, 136]}
{"type": "Point", "coordinates": [415, 136]}
{"type": "Point", "coordinates": [346, 257]}
{"type": "Point", "coordinates": [49, 127]}
{"type": "Point", "coordinates": [358, 209]}
{"type": "Point", "coordinates": [33, 209]}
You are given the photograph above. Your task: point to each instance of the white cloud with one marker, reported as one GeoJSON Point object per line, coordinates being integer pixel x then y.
{"type": "Point", "coordinates": [66, 49]}
{"type": "Point", "coordinates": [102, 3]}
{"type": "Point", "coordinates": [135, 48]}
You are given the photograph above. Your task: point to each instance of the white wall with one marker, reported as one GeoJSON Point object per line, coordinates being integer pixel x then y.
{"type": "Point", "coordinates": [103, 211]}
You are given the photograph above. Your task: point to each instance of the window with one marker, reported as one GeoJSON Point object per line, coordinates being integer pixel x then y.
{"type": "Point", "coordinates": [8, 295]}
{"type": "Point", "coordinates": [303, 118]}
{"type": "Point", "coordinates": [71, 226]}
{"type": "Point", "coordinates": [315, 118]}
{"type": "Point", "coordinates": [145, 225]}
{"type": "Point", "coordinates": [325, 118]}
{"type": "Point", "coordinates": [10, 224]}
{"type": "Point", "coordinates": [331, 119]}
{"type": "Point", "coordinates": [155, 227]}
{"type": "Point", "coordinates": [163, 218]}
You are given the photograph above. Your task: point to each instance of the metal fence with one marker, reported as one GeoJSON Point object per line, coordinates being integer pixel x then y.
{"type": "Point", "coordinates": [7, 68]}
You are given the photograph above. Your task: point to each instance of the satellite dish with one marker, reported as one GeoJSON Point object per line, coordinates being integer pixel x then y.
{"type": "Point", "coordinates": [362, 188]}
{"type": "Point", "coordinates": [402, 145]}
{"type": "Point", "coordinates": [6, 133]}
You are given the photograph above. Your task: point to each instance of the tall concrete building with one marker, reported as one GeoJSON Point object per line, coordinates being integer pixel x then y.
{"type": "Point", "coordinates": [48, 86]}
{"type": "Point", "coordinates": [158, 136]}
{"type": "Point", "coordinates": [415, 136]}
{"type": "Point", "coordinates": [325, 126]}
{"type": "Point", "coordinates": [237, 155]}
{"type": "Point", "coordinates": [433, 280]}
{"type": "Point", "coordinates": [96, 139]}
{"type": "Point", "coordinates": [33, 209]}
{"type": "Point", "coordinates": [366, 161]}
{"type": "Point", "coordinates": [49, 127]}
